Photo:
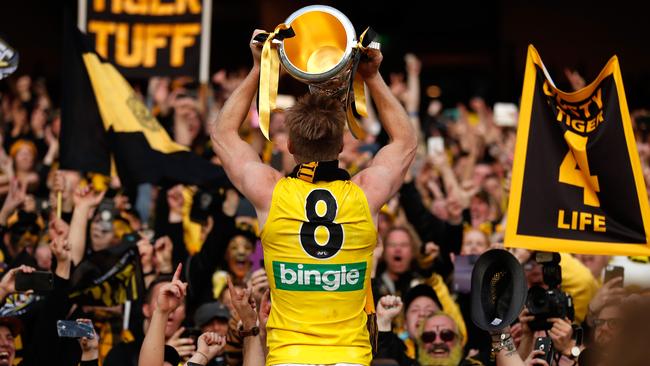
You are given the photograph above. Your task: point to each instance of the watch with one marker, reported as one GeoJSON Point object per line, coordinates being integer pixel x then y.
{"type": "Point", "coordinates": [251, 332]}
{"type": "Point", "coordinates": [574, 352]}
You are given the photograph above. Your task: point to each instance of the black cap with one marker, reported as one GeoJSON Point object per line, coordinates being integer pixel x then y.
{"type": "Point", "coordinates": [498, 290]}
{"type": "Point", "coordinates": [210, 310]}
{"type": "Point", "coordinates": [420, 290]}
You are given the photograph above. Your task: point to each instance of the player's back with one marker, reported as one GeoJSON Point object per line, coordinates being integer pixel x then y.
{"type": "Point", "coordinates": [318, 242]}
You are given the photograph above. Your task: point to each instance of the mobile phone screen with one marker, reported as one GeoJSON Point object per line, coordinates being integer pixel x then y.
{"type": "Point", "coordinates": [612, 272]}
{"type": "Point", "coordinates": [74, 329]}
{"type": "Point", "coordinates": [38, 281]}
{"type": "Point", "coordinates": [463, 266]}
{"type": "Point", "coordinates": [435, 145]}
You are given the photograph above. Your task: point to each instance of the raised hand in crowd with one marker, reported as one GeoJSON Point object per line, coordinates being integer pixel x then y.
{"type": "Point", "coordinates": [62, 251]}
{"type": "Point", "coordinates": [610, 293]}
{"type": "Point", "coordinates": [57, 228]}
{"type": "Point", "coordinates": [265, 310]}
{"type": "Point", "coordinates": [209, 345]}
{"type": "Point", "coordinates": [163, 254]}
{"type": "Point", "coordinates": [388, 307]}
{"type": "Point", "coordinates": [522, 334]}
{"type": "Point", "coordinates": [411, 97]}
{"type": "Point", "coordinates": [6, 165]}
{"type": "Point", "coordinates": [85, 199]}
{"type": "Point", "coordinates": [170, 296]}
{"type": "Point", "coordinates": [455, 207]}
{"type": "Point", "coordinates": [561, 334]}
{"type": "Point", "coordinates": [89, 346]}
{"type": "Point", "coordinates": [230, 203]}
{"type": "Point", "coordinates": [258, 284]}
{"type": "Point", "coordinates": [532, 361]}
{"type": "Point", "coordinates": [183, 345]}
{"type": "Point", "coordinates": [64, 182]}
{"type": "Point", "coordinates": [244, 305]}
{"type": "Point", "coordinates": [15, 197]}
{"type": "Point", "coordinates": [575, 79]}
{"type": "Point", "coordinates": [52, 147]}
{"type": "Point", "coordinates": [175, 200]}
{"type": "Point", "coordinates": [146, 251]}
{"type": "Point", "coordinates": [8, 282]}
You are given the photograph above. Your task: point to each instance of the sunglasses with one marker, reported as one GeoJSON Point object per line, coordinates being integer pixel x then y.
{"type": "Point", "coordinates": [613, 323]}
{"type": "Point", "coordinates": [446, 335]}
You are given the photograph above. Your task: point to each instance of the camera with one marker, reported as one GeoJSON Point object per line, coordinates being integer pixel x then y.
{"type": "Point", "coordinates": [551, 302]}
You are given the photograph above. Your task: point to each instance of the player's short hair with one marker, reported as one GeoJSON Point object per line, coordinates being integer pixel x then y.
{"type": "Point", "coordinates": [316, 124]}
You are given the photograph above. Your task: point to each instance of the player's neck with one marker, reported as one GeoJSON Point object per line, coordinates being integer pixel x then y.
{"type": "Point", "coordinates": [302, 160]}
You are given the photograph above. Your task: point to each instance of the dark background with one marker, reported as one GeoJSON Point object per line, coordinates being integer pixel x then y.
{"type": "Point", "coordinates": [467, 47]}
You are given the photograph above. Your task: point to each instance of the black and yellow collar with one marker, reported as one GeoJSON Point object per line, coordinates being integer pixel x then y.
{"type": "Point", "coordinates": [315, 171]}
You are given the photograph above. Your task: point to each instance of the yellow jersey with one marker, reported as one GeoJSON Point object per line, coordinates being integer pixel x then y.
{"type": "Point", "coordinates": [318, 242]}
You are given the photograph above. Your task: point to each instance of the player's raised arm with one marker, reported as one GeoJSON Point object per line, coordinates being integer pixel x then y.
{"type": "Point", "coordinates": [242, 164]}
{"type": "Point", "coordinates": [385, 174]}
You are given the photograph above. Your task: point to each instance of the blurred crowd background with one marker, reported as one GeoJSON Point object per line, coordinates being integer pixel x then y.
{"type": "Point", "coordinates": [448, 63]}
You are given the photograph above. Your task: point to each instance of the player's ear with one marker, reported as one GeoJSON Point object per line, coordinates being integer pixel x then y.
{"type": "Point", "coordinates": [290, 146]}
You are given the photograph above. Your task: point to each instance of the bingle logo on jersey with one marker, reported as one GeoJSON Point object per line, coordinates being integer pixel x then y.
{"type": "Point", "coordinates": [577, 184]}
{"type": "Point", "coordinates": [319, 277]}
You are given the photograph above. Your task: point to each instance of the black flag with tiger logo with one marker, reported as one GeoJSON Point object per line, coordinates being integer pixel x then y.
{"type": "Point", "coordinates": [577, 184]}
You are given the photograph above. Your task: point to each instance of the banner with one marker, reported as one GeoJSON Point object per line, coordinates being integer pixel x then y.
{"type": "Point", "coordinates": [109, 277]}
{"type": "Point", "coordinates": [103, 120]}
{"type": "Point", "coordinates": [145, 38]}
{"type": "Point", "coordinates": [577, 184]}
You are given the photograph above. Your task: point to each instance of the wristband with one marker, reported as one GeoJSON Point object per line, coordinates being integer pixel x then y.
{"type": "Point", "coordinates": [503, 342]}
{"type": "Point", "coordinates": [203, 354]}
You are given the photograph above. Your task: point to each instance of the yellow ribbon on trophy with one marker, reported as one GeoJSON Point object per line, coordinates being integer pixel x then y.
{"type": "Point", "coordinates": [356, 100]}
{"type": "Point", "coordinates": [269, 76]}
{"type": "Point", "coordinates": [270, 73]}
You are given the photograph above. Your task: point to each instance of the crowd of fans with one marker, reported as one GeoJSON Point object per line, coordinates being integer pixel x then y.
{"type": "Point", "coordinates": [452, 205]}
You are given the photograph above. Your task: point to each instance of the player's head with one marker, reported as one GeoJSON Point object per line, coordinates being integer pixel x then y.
{"type": "Point", "coordinates": [316, 124]}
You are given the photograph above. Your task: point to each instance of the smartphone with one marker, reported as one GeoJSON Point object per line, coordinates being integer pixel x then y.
{"type": "Point", "coordinates": [203, 204]}
{"type": "Point", "coordinates": [38, 281]}
{"type": "Point", "coordinates": [74, 329]}
{"type": "Point", "coordinates": [435, 145]}
{"type": "Point", "coordinates": [612, 271]}
{"type": "Point", "coordinates": [463, 266]}
{"type": "Point", "coordinates": [505, 114]}
{"type": "Point", "coordinates": [544, 344]}
{"type": "Point", "coordinates": [131, 238]}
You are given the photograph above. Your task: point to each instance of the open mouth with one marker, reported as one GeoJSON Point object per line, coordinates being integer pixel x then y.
{"type": "Point", "coordinates": [439, 352]}
{"type": "Point", "coordinates": [397, 258]}
{"type": "Point", "coordinates": [241, 264]}
{"type": "Point", "coordinates": [4, 358]}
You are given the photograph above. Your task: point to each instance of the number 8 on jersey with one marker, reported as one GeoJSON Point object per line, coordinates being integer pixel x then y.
{"type": "Point", "coordinates": [315, 220]}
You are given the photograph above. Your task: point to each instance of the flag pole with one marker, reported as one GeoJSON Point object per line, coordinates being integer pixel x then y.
{"type": "Point", "coordinates": [204, 60]}
{"type": "Point", "coordinates": [82, 15]}
{"type": "Point", "coordinates": [59, 201]}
